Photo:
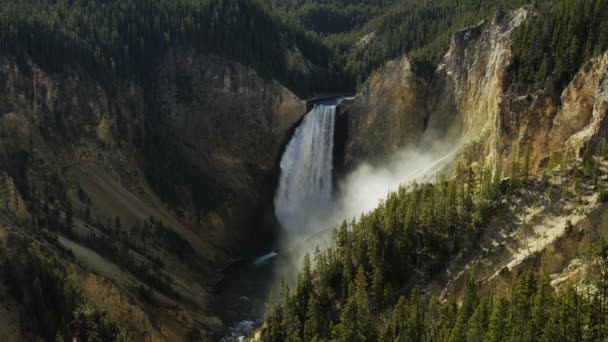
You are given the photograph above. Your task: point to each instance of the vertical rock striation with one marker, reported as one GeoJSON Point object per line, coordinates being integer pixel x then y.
{"type": "Point", "coordinates": [466, 102]}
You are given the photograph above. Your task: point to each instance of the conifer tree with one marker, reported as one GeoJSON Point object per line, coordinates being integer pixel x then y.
{"type": "Point", "coordinates": [498, 327]}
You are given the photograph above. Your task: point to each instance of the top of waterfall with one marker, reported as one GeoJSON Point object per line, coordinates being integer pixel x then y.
{"type": "Point", "coordinates": [326, 101]}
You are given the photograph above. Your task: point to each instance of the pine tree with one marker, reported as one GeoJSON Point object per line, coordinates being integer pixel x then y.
{"type": "Point", "coordinates": [396, 325]}
{"type": "Point", "coordinates": [361, 288]}
{"type": "Point", "coordinates": [478, 322]}
{"type": "Point", "coordinates": [414, 330]}
{"type": "Point", "coordinates": [498, 327]}
{"type": "Point", "coordinates": [377, 287]}
{"type": "Point", "coordinates": [290, 321]}
{"type": "Point", "coordinates": [314, 326]}
{"type": "Point", "coordinates": [542, 307]}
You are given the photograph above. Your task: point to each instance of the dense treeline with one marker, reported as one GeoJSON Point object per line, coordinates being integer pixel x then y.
{"type": "Point", "coordinates": [531, 311]}
{"type": "Point", "coordinates": [551, 46]}
{"type": "Point", "coordinates": [125, 37]}
{"type": "Point", "coordinates": [332, 16]}
{"type": "Point", "coordinates": [360, 289]}
{"type": "Point", "coordinates": [413, 232]}
{"type": "Point", "coordinates": [419, 28]}
{"type": "Point", "coordinates": [548, 49]}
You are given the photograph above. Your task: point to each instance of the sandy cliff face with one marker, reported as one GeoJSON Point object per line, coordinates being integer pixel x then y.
{"type": "Point", "coordinates": [467, 102]}
{"type": "Point", "coordinates": [506, 124]}
{"type": "Point", "coordinates": [472, 72]}
{"type": "Point", "coordinates": [210, 127]}
{"type": "Point", "coordinates": [401, 106]}
{"type": "Point", "coordinates": [548, 126]}
{"type": "Point", "coordinates": [585, 104]}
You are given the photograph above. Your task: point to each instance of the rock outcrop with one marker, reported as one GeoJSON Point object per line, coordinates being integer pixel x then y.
{"type": "Point", "coordinates": [454, 105]}
{"type": "Point", "coordinates": [549, 127]}
{"type": "Point", "coordinates": [11, 202]}
{"type": "Point", "coordinates": [388, 113]}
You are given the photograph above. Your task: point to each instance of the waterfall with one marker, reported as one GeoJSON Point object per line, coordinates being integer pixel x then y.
{"type": "Point", "coordinates": [305, 185]}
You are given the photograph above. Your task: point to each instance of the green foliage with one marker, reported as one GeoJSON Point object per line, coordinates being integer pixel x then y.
{"type": "Point", "coordinates": [532, 311]}
{"type": "Point", "coordinates": [420, 28]}
{"type": "Point", "coordinates": [414, 231]}
{"type": "Point", "coordinates": [53, 306]}
{"type": "Point", "coordinates": [96, 326]}
{"type": "Point", "coordinates": [550, 47]}
{"type": "Point", "coordinates": [333, 16]}
{"type": "Point", "coordinates": [37, 280]}
{"type": "Point", "coordinates": [125, 38]}
{"type": "Point", "coordinates": [406, 240]}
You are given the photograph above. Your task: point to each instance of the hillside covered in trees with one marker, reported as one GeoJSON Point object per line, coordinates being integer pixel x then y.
{"type": "Point", "coordinates": [375, 281]}
{"type": "Point", "coordinates": [125, 38]}
{"type": "Point", "coordinates": [97, 188]}
{"type": "Point", "coordinates": [345, 40]}
{"type": "Point", "coordinates": [550, 47]}
{"type": "Point", "coordinates": [561, 35]}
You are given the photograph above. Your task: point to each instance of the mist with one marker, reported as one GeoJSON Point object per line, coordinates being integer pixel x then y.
{"type": "Point", "coordinates": [359, 192]}
{"type": "Point", "coordinates": [362, 190]}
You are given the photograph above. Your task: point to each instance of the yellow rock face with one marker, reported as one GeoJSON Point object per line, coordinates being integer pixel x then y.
{"type": "Point", "coordinates": [464, 103]}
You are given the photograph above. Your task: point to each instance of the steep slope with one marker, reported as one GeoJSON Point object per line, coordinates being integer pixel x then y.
{"type": "Point", "coordinates": [503, 230]}
{"type": "Point", "coordinates": [81, 160]}
{"type": "Point", "coordinates": [389, 112]}
{"type": "Point", "coordinates": [467, 102]}
{"type": "Point", "coordinates": [550, 125]}
{"type": "Point", "coordinates": [454, 105]}
{"type": "Point", "coordinates": [227, 123]}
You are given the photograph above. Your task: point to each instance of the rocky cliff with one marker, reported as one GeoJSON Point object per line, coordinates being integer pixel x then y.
{"type": "Point", "coordinates": [467, 102]}
{"type": "Point", "coordinates": [389, 111]}
{"type": "Point", "coordinates": [455, 105]}
{"type": "Point", "coordinates": [229, 124]}
{"type": "Point", "coordinates": [466, 105]}
{"type": "Point", "coordinates": [172, 172]}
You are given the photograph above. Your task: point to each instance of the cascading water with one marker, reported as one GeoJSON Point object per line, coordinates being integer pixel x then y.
{"type": "Point", "coordinates": [303, 201]}
{"type": "Point", "coordinates": [307, 211]}
{"type": "Point", "coordinates": [305, 184]}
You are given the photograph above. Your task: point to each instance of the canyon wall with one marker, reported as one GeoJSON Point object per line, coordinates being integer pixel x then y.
{"type": "Point", "coordinates": [466, 103]}
{"type": "Point", "coordinates": [189, 153]}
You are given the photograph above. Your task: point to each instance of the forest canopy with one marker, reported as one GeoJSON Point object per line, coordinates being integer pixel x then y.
{"type": "Point", "coordinates": [125, 37]}
{"type": "Point", "coordinates": [345, 40]}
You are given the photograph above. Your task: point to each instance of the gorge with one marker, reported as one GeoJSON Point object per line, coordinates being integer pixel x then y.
{"type": "Point", "coordinates": [161, 170]}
